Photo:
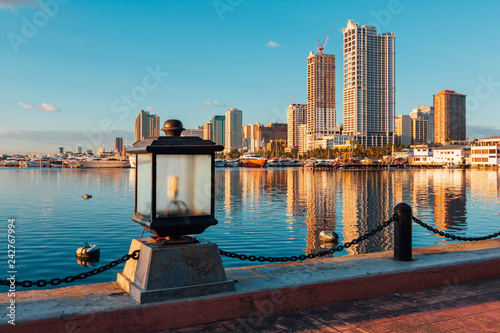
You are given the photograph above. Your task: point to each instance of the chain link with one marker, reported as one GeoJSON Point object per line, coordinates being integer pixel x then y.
{"type": "Point", "coordinates": [68, 279]}
{"type": "Point", "coordinates": [311, 255]}
{"type": "Point", "coordinates": [454, 237]}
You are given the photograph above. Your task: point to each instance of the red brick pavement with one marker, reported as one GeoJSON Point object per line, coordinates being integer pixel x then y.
{"type": "Point", "coordinates": [468, 307]}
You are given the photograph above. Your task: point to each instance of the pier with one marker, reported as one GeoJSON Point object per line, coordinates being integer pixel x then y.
{"type": "Point", "coordinates": [264, 292]}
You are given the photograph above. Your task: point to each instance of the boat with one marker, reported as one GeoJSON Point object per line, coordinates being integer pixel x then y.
{"type": "Point", "coordinates": [450, 166]}
{"type": "Point", "coordinates": [219, 163]}
{"type": "Point", "coordinates": [39, 162]}
{"type": "Point", "coordinates": [10, 162]}
{"type": "Point", "coordinates": [273, 163]}
{"type": "Point", "coordinates": [231, 163]}
{"type": "Point", "coordinates": [252, 160]}
{"type": "Point", "coordinates": [105, 162]}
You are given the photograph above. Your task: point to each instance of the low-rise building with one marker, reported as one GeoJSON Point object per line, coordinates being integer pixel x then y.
{"type": "Point", "coordinates": [422, 154]}
{"type": "Point", "coordinates": [451, 154]}
{"type": "Point", "coordinates": [486, 152]}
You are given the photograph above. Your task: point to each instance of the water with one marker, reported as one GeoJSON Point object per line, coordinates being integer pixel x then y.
{"type": "Point", "coordinates": [268, 212]}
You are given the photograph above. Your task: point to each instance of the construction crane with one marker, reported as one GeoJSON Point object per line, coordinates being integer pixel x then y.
{"type": "Point", "coordinates": [321, 46]}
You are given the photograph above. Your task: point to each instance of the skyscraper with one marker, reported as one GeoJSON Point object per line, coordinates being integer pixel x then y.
{"type": "Point", "coordinates": [449, 116]}
{"type": "Point", "coordinates": [369, 86]}
{"type": "Point", "coordinates": [218, 129]}
{"type": "Point", "coordinates": [207, 131]}
{"type": "Point", "coordinates": [320, 96]}
{"type": "Point", "coordinates": [233, 131]}
{"type": "Point", "coordinates": [296, 115]}
{"type": "Point", "coordinates": [118, 145]}
{"type": "Point", "coordinates": [146, 126]}
{"type": "Point", "coordinates": [427, 113]}
{"type": "Point", "coordinates": [402, 131]}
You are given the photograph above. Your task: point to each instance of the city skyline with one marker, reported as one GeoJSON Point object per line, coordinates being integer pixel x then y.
{"type": "Point", "coordinates": [75, 80]}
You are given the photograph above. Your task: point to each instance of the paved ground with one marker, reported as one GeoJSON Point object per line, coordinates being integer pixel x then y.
{"type": "Point", "coordinates": [468, 307]}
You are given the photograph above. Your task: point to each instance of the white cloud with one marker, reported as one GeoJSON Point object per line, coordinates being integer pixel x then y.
{"type": "Point", "coordinates": [44, 107]}
{"type": "Point", "coordinates": [273, 44]}
{"type": "Point", "coordinates": [11, 4]}
{"type": "Point", "coordinates": [152, 109]}
{"type": "Point", "coordinates": [212, 103]}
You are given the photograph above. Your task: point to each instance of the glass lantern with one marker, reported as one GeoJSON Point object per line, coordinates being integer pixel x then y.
{"type": "Point", "coordinates": [174, 183]}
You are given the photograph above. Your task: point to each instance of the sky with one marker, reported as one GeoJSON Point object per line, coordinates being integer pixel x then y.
{"type": "Point", "coordinates": [78, 72]}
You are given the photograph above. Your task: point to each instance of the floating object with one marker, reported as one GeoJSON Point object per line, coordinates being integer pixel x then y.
{"type": "Point", "coordinates": [328, 236]}
{"type": "Point", "coordinates": [88, 251]}
{"type": "Point", "coordinates": [87, 196]}
{"type": "Point", "coordinates": [87, 262]}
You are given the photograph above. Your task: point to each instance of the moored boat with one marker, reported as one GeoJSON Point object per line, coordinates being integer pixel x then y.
{"type": "Point", "coordinates": [105, 162]}
{"type": "Point", "coordinates": [252, 160]}
{"type": "Point", "coordinates": [219, 163]}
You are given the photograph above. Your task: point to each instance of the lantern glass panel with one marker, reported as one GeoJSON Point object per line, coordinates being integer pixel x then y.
{"type": "Point", "coordinates": [183, 185]}
{"type": "Point", "coordinates": [144, 184]}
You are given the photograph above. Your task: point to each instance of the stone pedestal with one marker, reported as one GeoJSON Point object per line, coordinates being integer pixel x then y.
{"type": "Point", "coordinates": [167, 272]}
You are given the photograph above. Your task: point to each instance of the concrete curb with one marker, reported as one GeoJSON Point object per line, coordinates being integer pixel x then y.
{"type": "Point", "coordinates": [261, 290]}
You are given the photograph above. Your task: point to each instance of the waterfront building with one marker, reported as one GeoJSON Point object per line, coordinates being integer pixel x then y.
{"type": "Point", "coordinates": [427, 113]}
{"type": "Point", "coordinates": [146, 126]}
{"type": "Point", "coordinates": [79, 150]}
{"type": "Point", "coordinates": [486, 152]}
{"type": "Point", "coordinates": [369, 84]}
{"type": "Point", "coordinates": [422, 154]}
{"type": "Point", "coordinates": [296, 115]}
{"type": "Point", "coordinates": [302, 138]}
{"type": "Point", "coordinates": [233, 130]}
{"type": "Point", "coordinates": [218, 129]}
{"type": "Point", "coordinates": [320, 96]}
{"type": "Point", "coordinates": [250, 141]}
{"type": "Point", "coordinates": [208, 131]}
{"type": "Point", "coordinates": [402, 130]}
{"type": "Point", "coordinates": [273, 131]}
{"type": "Point", "coordinates": [451, 154]}
{"type": "Point", "coordinates": [60, 151]}
{"type": "Point", "coordinates": [118, 146]}
{"type": "Point", "coordinates": [449, 116]}
{"type": "Point", "coordinates": [198, 131]}
{"type": "Point", "coordinates": [419, 130]}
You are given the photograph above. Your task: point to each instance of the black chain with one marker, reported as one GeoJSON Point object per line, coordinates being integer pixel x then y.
{"type": "Point", "coordinates": [311, 255]}
{"type": "Point", "coordinates": [68, 279]}
{"type": "Point", "coordinates": [454, 237]}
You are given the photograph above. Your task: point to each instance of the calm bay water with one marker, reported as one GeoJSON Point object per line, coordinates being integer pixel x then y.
{"type": "Point", "coordinates": [268, 212]}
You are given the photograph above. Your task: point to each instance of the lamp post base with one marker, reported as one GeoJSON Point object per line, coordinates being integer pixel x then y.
{"type": "Point", "coordinates": [168, 272]}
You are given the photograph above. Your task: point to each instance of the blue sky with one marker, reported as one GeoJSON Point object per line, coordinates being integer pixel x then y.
{"type": "Point", "coordinates": [78, 72]}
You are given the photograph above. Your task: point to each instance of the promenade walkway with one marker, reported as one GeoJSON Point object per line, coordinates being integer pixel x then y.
{"type": "Point", "coordinates": [466, 307]}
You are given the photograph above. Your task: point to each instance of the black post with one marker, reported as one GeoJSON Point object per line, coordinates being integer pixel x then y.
{"type": "Point", "coordinates": [402, 233]}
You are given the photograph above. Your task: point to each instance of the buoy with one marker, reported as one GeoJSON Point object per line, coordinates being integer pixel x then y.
{"type": "Point", "coordinates": [328, 236]}
{"type": "Point", "coordinates": [87, 196]}
{"type": "Point", "coordinates": [88, 251]}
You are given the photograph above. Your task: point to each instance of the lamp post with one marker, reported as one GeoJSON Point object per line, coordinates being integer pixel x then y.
{"type": "Point", "coordinates": [174, 193]}
{"type": "Point", "coordinates": [174, 197]}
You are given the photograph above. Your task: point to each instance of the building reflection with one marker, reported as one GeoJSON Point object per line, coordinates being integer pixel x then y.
{"type": "Point", "coordinates": [449, 199]}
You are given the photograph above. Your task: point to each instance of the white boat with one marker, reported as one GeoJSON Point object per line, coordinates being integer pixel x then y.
{"type": "Point", "coordinates": [273, 163]}
{"type": "Point", "coordinates": [219, 163]}
{"type": "Point", "coordinates": [10, 162]}
{"type": "Point", "coordinates": [39, 162]}
{"type": "Point", "coordinates": [231, 163]}
{"type": "Point", "coordinates": [131, 160]}
{"type": "Point", "coordinates": [105, 162]}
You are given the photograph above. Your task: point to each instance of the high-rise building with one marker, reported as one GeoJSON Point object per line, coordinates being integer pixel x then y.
{"type": "Point", "coordinates": [208, 131]}
{"type": "Point", "coordinates": [427, 113]}
{"type": "Point", "coordinates": [419, 131]}
{"type": "Point", "coordinates": [79, 150]}
{"type": "Point", "coordinates": [198, 131]}
{"type": "Point", "coordinates": [218, 129]}
{"type": "Point", "coordinates": [449, 116]}
{"type": "Point", "coordinates": [296, 115]}
{"type": "Point", "coordinates": [369, 84]}
{"type": "Point", "coordinates": [233, 130]}
{"type": "Point", "coordinates": [402, 131]}
{"type": "Point", "coordinates": [320, 96]}
{"type": "Point", "coordinates": [146, 126]}
{"type": "Point", "coordinates": [118, 146]}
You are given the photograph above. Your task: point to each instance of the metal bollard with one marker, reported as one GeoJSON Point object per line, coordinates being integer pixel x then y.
{"type": "Point", "coordinates": [402, 233]}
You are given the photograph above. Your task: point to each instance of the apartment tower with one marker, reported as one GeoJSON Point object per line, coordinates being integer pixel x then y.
{"type": "Point", "coordinates": [218, 129]}
{"type": "Point", "coordinates": [234, 135]}
{"type": "Point", "coordinates": [296, 115]}
{"type": "Point", "coordinates": [320, 96]}
{"type": "Point", "coordinates": [146, 126]}
{"type": "Point", "coordinates": [369, 84]}
{"type": "Point", "coordinates": [449, 116]}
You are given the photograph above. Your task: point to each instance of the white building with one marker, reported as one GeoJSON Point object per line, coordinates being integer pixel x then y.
{"type": "Point", "coordinates": [233, 127]}
{"type": "Point", "coordinates": [369, 84]}
{"type": "Point", "coordinates": [486, 152]}
{"type": "Point", "coordinates": [451, 154]}
{"type": "Point", "coordinates": [422, 154]}
{"type": "Point", "coordinates": [296, 115]}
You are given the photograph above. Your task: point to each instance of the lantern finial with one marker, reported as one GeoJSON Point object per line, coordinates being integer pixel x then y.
{"type": "Point", "coordinates": [173, 127]}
